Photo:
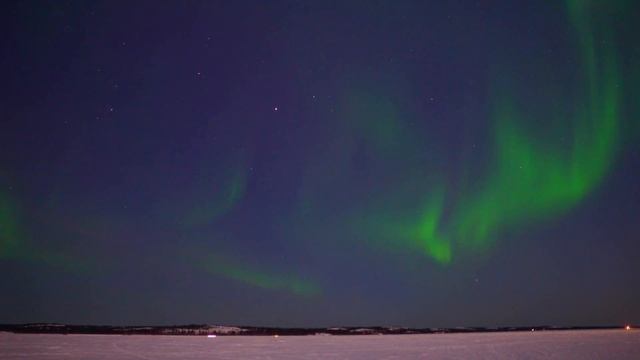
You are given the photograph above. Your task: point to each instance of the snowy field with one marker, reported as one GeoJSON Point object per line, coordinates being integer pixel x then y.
{"type": "Point", "coordinates": [591, 344]}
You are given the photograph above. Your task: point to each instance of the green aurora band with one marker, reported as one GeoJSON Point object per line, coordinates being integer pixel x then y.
{"type": "Point", "coordinates": [528, 179]}
{"type": "Point", "coordinates": [532, 181]}
{"type": "Point", "coordinates": [219, 203]}
{"type": "Point", "coordinates": [226, 268]}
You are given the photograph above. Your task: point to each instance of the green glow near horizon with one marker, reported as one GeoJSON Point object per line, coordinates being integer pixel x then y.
{"type": "Point", "coordinates": [14, 245]}
{"type": "Point", "coordinates": [257, 278]}
{"type": "Point", "coordinates": [9, 240]}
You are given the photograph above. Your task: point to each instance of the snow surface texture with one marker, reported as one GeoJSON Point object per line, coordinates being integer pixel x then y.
{"type": "Point", "coordinates": [587, 344]}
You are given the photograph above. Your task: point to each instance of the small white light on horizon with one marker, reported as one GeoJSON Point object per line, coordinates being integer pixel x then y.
{"type": "Point", "coordinates": [275, 108]}
{"type": "Point", "coordinates": [276, 336]}
{"type": "Point", "coordinates": [211, 336]}
{"type": "Point", "coordinates": [628, 327]}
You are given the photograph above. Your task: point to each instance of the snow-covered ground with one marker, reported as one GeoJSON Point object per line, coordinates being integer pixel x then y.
{"type": "Point", "coordinates": [588, 344]}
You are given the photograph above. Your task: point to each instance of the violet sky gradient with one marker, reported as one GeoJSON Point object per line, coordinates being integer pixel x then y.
{"type": "Point", "coordinates": [319, 163]}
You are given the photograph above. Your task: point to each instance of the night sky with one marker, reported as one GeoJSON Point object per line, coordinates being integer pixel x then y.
{"type": "Point", "coordinates": [320, 163]}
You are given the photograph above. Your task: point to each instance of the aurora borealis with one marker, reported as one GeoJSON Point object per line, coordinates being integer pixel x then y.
{"type": "Point", "coordinates": [321, 163]}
